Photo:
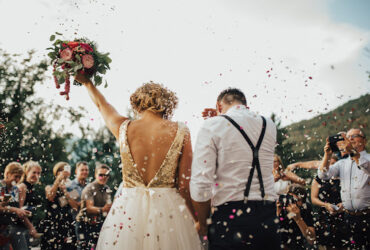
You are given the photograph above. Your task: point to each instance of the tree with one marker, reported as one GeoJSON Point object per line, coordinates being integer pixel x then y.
{"type": "Point", "coordinates": [98, 148]}
{"type": "Point", "coordinates": [283, 148]}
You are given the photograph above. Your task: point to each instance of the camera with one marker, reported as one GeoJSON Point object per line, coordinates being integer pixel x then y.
{"type": "Point", "coordinates": [286, 199]}
{"type": "Point", "coordinates": [333, 139]}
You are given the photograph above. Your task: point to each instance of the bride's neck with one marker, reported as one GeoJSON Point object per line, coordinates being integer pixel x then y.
{"type": "Point", "coordinates": [149, 115]}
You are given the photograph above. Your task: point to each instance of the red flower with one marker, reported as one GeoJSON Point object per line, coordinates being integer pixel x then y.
{"type": "Point", "coordinates": [87, 47]}
{"type": "Point", "coordinates": [88, 61]}
{"type": "Point", "coordinates": [73, 44]}
{"type": "Point", "coordinates": [66, 54]}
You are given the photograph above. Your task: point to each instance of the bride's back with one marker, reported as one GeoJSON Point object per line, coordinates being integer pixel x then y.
{"type": "Point", "coordinates": [149, 140]}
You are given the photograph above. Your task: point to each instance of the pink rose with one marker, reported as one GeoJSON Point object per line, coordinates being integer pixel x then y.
{"type": "Point", "coordinates": [66, 54]}
{"type": "Point", "coordinates": [87, 47]}
{"type": "Point", "coordinates": [88, 61]}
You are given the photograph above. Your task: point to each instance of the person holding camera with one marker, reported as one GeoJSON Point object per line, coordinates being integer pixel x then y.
{"type": "Point", "coordinates": [295, 218]}
{"type": "Point", "coordinates": [58, 225]}
{"type": "Point", "coordinates": [354, 174]}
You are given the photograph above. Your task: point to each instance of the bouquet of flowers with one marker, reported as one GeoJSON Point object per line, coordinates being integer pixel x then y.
{"type": "Point", "coordinates": [71, 57]}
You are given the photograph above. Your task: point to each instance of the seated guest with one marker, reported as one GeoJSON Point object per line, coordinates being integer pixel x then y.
{"type": "Point", "coordinates": [354, 175]}
{"type": "Point", "coordinates": [283, 178]}
{"type": "Point", "coordinates": [96, 203]}
{"type": "Point", "coordinates": [295, 218]}
{"type": "Point", "coordinates": [11, 216]}
{"type": "Point", "coordinates": [27, 197]}
{"type": "Point", "coordinates": [58, 225]}
{"type": "Point", "coordinates": [75, 191]}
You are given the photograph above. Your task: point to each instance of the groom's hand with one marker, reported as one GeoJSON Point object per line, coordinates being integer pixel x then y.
{"type": "Point", "coordinates": [208, 113]}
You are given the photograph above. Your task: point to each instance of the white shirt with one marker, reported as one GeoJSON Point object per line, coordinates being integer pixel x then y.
{"type": "Point", "coordinates": [354, 181]}
{"type": "Point", "coordinates": [222, 158]}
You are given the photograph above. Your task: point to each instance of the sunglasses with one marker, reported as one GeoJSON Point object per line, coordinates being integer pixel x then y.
{"type": "Point", "coordinates": [103, 175]}
{"type": "Point", "coordinates": [354, 136]}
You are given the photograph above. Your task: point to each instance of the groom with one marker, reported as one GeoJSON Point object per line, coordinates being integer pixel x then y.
{"type": "Point", "coordinates": [232, 171]}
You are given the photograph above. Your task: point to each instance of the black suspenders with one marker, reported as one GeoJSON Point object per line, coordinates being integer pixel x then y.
{"type": "Point", "coordinates": [255, 162]}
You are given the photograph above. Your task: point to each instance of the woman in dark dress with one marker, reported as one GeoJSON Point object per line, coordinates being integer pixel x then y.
{"type": "Point", "coordinates": [58, 225]}
{"type": "Point", "coordinates": [27, 197]}
{"type": "Point", "coordinates": [330, 225]}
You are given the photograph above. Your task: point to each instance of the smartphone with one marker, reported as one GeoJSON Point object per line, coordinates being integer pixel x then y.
{"type": "Point", "coordinates": [336, 208]}
{"type": "Point", "coordinates": [67, 168]}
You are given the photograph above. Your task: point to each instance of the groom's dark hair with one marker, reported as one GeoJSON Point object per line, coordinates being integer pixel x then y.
{"type": "Point", "coordinates": [231, 95]}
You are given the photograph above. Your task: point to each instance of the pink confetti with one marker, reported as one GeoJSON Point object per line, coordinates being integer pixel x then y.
{"type": "Point", "coordinates": [205, 237]}
{"type": "Point", "coordinates": [231, 216]}
{"type": "Point", "coordinates": [234, 210]}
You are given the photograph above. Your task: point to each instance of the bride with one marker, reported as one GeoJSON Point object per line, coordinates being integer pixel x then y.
{"type": "Point", "coordinates": [154, 209]}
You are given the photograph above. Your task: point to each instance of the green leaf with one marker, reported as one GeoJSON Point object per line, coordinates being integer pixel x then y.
{"type": "Point", "coordinates": [61, 79]}
{"type": "Point", "coordinates": [60, 60]}
{"type": "Point", "coordinates": [60, 34]}
{"type": "Point", "coordinates": [51, 55]}
{"type": "Point", "coordinates": [52, 37]}
{"type": "Point", "coordinates": [106, 84]}
{"type": "Point", "coordinates": [78, 67]}
{"type": "Point", "coordinates": [97, 80]}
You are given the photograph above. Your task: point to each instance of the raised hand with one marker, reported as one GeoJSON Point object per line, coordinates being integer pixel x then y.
{"type": "Point", "coordinates": [327, 148]}
{"type": "Point", "coordinates": [209, 112]}
{"type": "Point", "coordinates": [82, 78]}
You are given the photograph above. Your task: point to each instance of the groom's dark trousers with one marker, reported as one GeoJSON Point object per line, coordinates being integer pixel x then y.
{"type": "Point", "coordinates": [236, 225]}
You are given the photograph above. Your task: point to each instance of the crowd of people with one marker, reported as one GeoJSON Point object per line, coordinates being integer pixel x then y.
{"type": "Point", "coordinates": [74, 210]}
{"type": "Point", "coordinates": [164, 201]}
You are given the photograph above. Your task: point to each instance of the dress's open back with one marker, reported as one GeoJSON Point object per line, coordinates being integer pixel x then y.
{"type": "Point", "coordinates": [152, 216]}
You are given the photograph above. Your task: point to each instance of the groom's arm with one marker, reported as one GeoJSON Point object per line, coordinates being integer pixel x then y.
{"type": "Point", "coordinates": [203, 175]}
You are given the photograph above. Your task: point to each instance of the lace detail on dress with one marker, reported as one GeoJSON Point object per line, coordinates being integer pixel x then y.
{"type": "Point", "coordinates": [167, 173]}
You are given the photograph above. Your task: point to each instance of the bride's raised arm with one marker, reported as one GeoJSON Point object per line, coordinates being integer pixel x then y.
{"type": "Point", "coordinates": [110, 115]}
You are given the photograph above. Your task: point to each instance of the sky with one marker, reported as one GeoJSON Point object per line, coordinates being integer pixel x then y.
{"type": "Point", "coordinates": [293, 58]}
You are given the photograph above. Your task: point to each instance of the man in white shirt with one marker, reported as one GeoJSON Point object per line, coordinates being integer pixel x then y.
{"type": "Point", "coordinates": [354, 174]}
{"type": "Point", "coordinates": [232, 172]}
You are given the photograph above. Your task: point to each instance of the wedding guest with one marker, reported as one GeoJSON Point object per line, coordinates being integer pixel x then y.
{"type": "Point", "coordinates": [27, 196]}
{"type": "Point", "coordinates": [12, 217]}
{"type": "Point", "coordinates": [354, 175]}
{"type": "Point", "coordinates": [283, 178]}
{"type": "Point", "coordinates": [329, 226]}
{"type": "Point", "coordinates": [58, 225]}
{"type": "Point", "coordinates": [231, 170]}
{"type": "Point", "coordinates": [295, 218]}
{"type": "Point", "coordinates": [75, 192]}
{"type": "Point", "coordinates": [96, 203]}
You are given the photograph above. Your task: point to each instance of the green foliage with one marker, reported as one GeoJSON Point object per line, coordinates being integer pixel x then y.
{"type": "Point", "coordinates": [309, 136]}
{"type": "Point", "coordinates": [283, 148]}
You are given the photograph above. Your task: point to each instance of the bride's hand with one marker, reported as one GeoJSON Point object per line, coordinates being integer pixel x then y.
{"type": "Point", "coordinates": [82, 78]}
{"type": "Point", "coordinates": [208, 113]}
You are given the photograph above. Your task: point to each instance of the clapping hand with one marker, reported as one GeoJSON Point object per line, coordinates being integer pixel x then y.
{"type": "Point", "coordinates": [330, 208]}
{"type": "Point", "coordinates": [21, 213]}
{"type": "Point", "coordinates": [294, 211]}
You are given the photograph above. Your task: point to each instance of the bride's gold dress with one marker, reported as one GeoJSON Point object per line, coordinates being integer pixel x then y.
{"type": "Point", "coordinates": [152, 216]}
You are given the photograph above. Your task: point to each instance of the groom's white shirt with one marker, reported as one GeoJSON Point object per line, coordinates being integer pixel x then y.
{"type": "Point", "coordinates": [222, 158]}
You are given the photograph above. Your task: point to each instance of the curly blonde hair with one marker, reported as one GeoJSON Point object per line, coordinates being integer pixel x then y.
{"type": "Point", "coordinates": [154, 97]}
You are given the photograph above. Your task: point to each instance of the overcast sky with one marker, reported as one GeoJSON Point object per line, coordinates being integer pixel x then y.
{"type": "Point", "coordinates": [199, 47]}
